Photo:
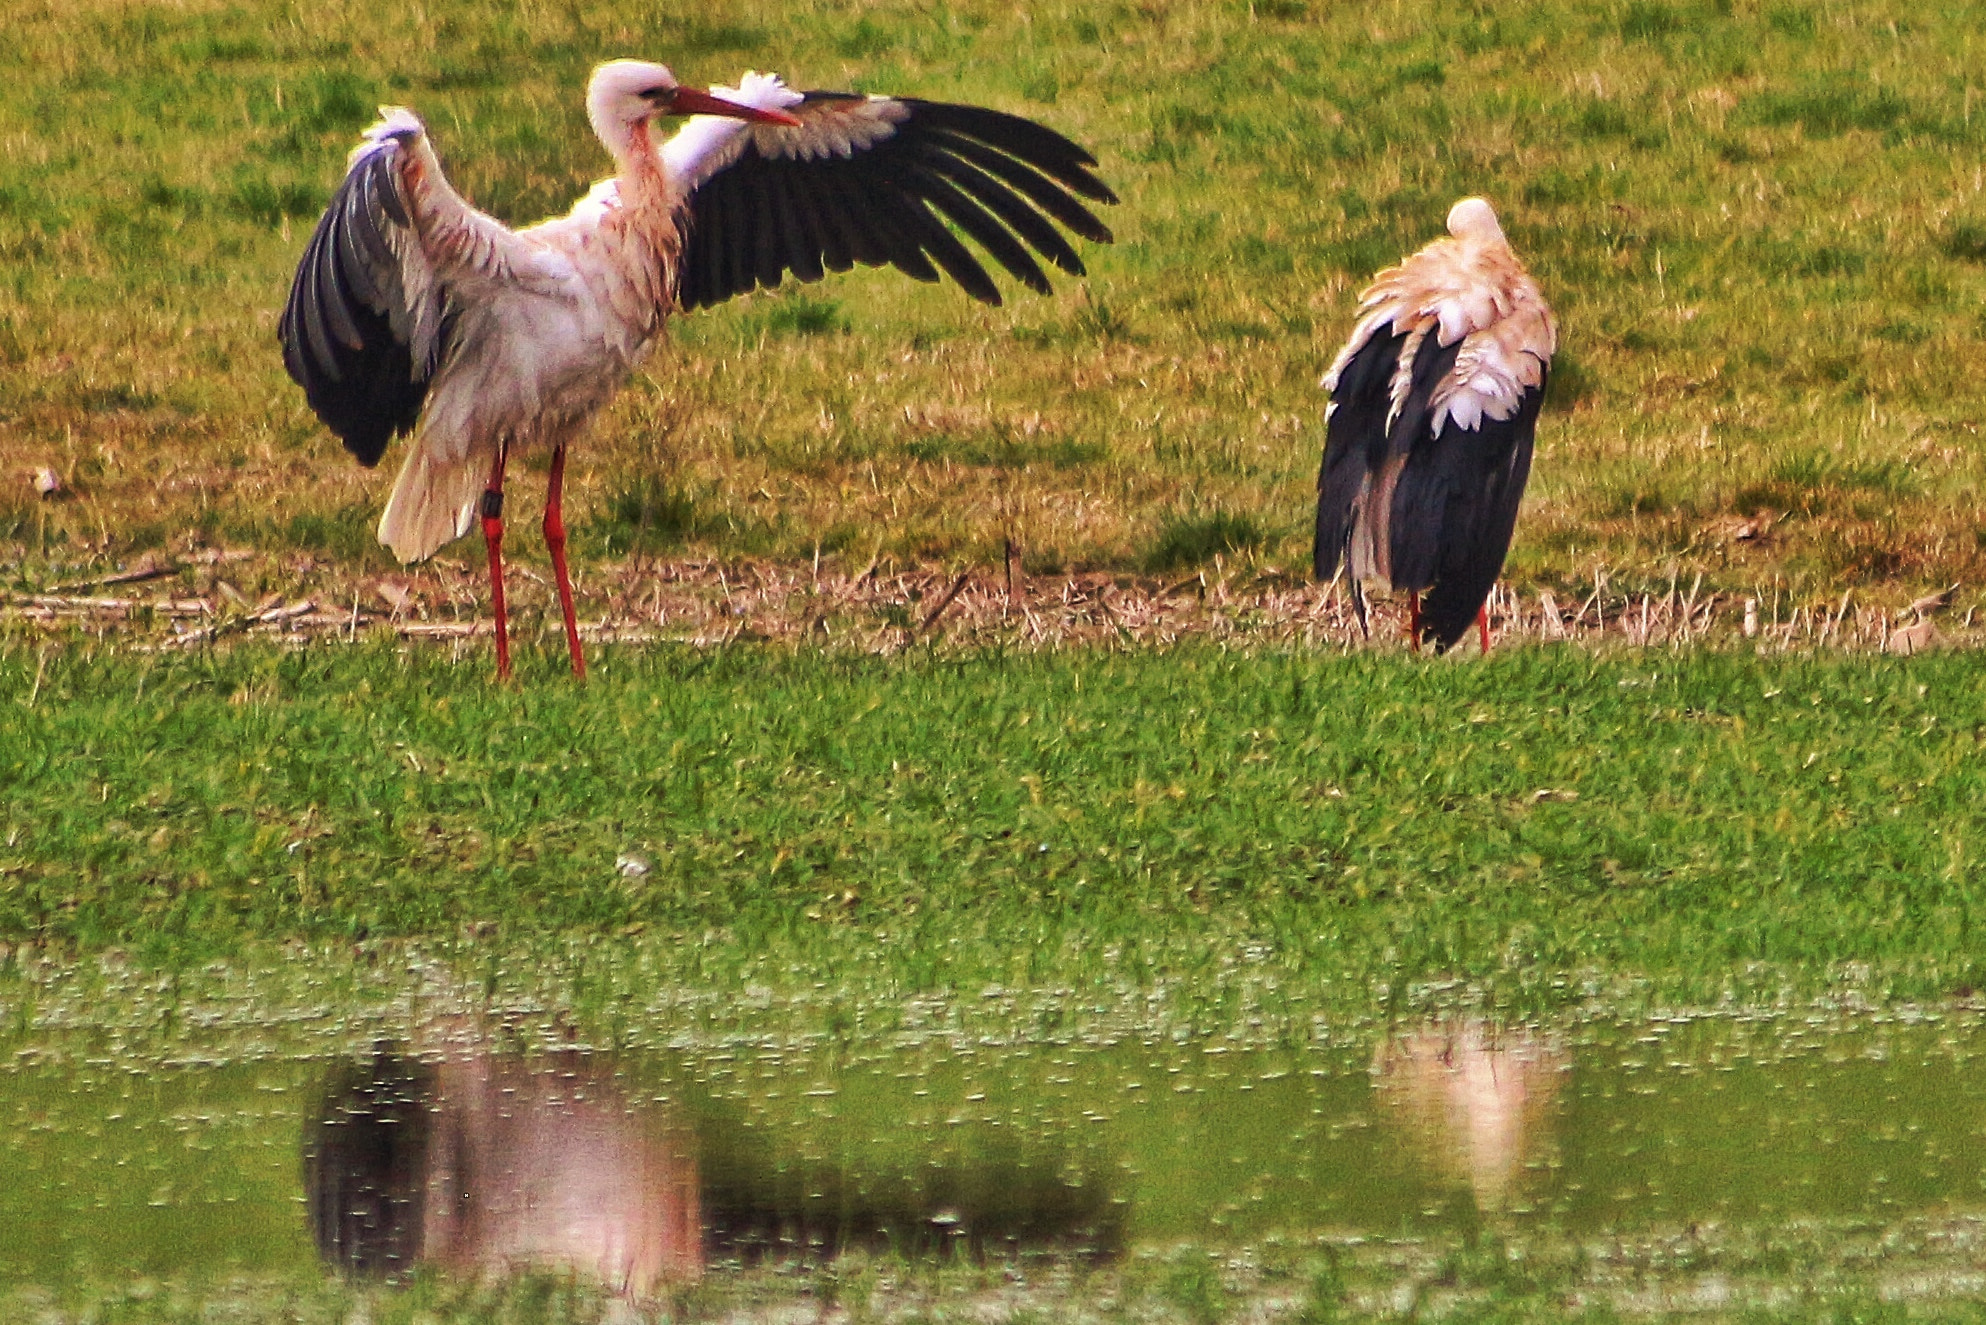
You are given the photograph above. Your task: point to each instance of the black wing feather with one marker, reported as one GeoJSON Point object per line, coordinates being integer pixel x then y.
{"type": "Point", "coordinates": [1479, 517]}
{"type": "Point", "coordinates": [846, 214]}
{"type": "Point", "coordinates": [702, 265]}
{"type": "Point", "coordinates": [1024, 220]}
{"type": "Point", "coordinates": [1041, 191]}
{"type": "Point", "coordinates": [760, 217]}
{"type": "Point", "coordinates": [370, 247]}
{"type": "Point", "coordinates": [1448, 527]}
{"type": "Point", "coordinates": [1414, 525]}
{"type": "Point", "coordinates": [982, 226]}
{"type": "Point", "coordinates": [805, 245]}
{"type": "Point", "coordinates": [726, 238]}
{"type": "Point", "coordinates": [1022, 139]}
{"type": "Point", "coordinates": [837, 253]}
{"type": "Point", "coordinates": [337, 328]}
{"type": "Point", "coordinates": [915, 219]}
{"type": "Point", "coordinates": [770, 254]}
{"type": "Point", "coordinates": [1354, 445]}
{"type": "Point", "coordinates": [306, 294]}
{"type": "Point", "coordinates": [874, 210]}
{"type": "Point", "coordinates": [334, 297]}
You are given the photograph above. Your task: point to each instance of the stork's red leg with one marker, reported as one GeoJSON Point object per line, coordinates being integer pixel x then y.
{"type": "Point", "coordinates": [555, 541]}
{"type": "Point", "coordinates": [1414, 619]}
{"type": "Point", "coordinates": [493, 538]}
{"type": "Point", "coordinates": [1482, 625]}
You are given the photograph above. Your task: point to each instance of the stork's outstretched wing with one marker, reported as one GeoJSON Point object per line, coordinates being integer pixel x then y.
{"type": "Point", "coordinates": [874, 180]}
{"type": "Point", "coordinates": [370, 316]}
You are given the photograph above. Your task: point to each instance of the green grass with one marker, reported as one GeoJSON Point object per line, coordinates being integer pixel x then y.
{"type": "Point", "coordinates": [1470, 1283]}
{"type": "Point", "coordinates": [1711, 823]}
{"type": "Point", "coordinates": [1761, 224]}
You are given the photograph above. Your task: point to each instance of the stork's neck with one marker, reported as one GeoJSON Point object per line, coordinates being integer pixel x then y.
{"type": "Point", "coordinates": [632, 146]}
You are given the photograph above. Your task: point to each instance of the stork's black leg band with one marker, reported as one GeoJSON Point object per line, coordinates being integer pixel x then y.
{"type": "Point", "coordinates": [492, 504]}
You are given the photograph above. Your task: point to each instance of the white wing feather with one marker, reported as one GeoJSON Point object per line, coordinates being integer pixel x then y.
{"type": "Point", "coordinates": [834, 126]}
{"type": "Point", "coordinates": [708, 143]}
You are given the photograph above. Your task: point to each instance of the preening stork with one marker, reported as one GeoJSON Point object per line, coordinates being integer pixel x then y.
{"type": "Point", "coordinates": [1434, 406]}
{"type": "Point", "coordinates": [412, 308]}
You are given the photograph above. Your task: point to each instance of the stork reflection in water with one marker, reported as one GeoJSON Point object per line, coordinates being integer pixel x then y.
{"type": "Point", "coordinates": [1477, 1100]}
{"type": "Point", "coordinates": [485, 1165]}
{"type": "Point", "coordinates": [488, 1165]}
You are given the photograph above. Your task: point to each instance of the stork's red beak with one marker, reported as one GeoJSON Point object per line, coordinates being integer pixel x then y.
{"type": "Point", "coordinates": [689, 101]}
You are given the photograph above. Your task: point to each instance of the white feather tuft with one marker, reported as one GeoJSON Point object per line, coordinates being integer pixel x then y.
{"type": "Point", "coordinates": [708, 143]}
{"type": "Point", "coordinates": [394, 122]}
{"type": "Point", "coordinates": [433, 503]}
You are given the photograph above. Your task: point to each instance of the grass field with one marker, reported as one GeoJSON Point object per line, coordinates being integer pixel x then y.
{"type": "Point", "coordinates": [1704, 826]}
{"type": "Point", "coordinates": [1761, 224]}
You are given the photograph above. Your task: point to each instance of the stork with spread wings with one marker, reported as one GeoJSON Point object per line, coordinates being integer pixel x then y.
{"type": "Point", "coordinates": [412, 311]}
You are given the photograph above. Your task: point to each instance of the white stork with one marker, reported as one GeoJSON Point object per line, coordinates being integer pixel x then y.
{"type": "Point", "coordinates": [1434, 406]}
{"type": "Point", "coordinates": [410, 307]}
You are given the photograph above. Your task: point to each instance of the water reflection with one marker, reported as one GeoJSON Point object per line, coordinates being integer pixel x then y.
{"type": "Point", "coordinates": [1476, 1099]}
{"type": "Point", "coordinates": [662, 1164]}
{"type": "Point", "coordinates": [989, 1206]}
{"type": "Point", "coordinates": [489, 1164]}
{"type": "Point", "coordinates": [483, 1163]}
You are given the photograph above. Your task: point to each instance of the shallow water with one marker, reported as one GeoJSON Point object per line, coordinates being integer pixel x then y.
{"type": "Point", "coordinates": [647, 1169]}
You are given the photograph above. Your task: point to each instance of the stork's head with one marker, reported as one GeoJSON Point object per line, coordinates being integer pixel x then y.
{"type": "Point", "coordinates": [625, 93]}
{"type": "Point", "coordinates": [1474, 218]}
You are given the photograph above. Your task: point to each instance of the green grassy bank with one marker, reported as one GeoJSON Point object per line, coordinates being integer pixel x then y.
{"type": "Point", "coordinates": [937, 822]}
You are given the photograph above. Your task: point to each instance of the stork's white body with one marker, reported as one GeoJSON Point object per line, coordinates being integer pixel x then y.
{"type": "Point", "coordinates": [530, 364]}
{"type": "Point", "coordinates": [549, 320]}
{"type": "Point", "coordinates": [412, 311]}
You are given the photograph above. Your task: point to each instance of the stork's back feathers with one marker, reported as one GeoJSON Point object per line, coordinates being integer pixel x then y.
{"type": "Point", "coordinates": [1434, 404]}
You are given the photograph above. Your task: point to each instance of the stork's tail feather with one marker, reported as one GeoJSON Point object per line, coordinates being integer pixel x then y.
{"type": "Point", "coordinates": [433, 503]}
